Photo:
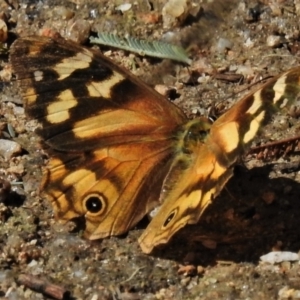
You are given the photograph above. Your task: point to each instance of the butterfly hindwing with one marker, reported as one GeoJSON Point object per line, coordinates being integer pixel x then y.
{"type": "Point", "coordinates": [106, 186]}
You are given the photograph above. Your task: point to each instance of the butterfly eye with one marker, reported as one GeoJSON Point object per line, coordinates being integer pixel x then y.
{"type": "Point", "coordinates": [203, 134]}
{"type": "Point", "coordinates": [94, 203]}
{"type": "Point", "coordinates": [170, 217]}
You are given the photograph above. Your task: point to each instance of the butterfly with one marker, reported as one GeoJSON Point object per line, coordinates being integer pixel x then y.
{"type": "Point", "coordinates": [118, 149]}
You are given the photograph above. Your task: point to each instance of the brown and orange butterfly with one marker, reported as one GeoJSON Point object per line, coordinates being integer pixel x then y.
{"type": "Point", "coordinates": [118, 149]}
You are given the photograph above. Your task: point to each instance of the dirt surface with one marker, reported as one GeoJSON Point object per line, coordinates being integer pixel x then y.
{"type": "Point", "coordinates": [259, 211]}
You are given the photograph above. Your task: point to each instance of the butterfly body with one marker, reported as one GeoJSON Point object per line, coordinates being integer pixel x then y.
{"type": "Point", "coordinates": [118, 149]}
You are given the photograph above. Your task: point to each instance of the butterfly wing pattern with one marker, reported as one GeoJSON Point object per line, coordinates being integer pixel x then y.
{"type": "Point", "coordinates": [117, 148]}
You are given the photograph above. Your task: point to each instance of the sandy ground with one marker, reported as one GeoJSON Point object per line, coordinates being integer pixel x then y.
{"type": "Point", "coordinates": [259, 211]}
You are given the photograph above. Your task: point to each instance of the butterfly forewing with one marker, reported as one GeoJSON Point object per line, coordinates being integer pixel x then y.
{"type": "Point", "coordinates": [83, 100]}
{"type": "Point", "coordinates": [234, 131]}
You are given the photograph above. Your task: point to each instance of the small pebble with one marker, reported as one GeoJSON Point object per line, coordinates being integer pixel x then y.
{"type": "Point", "coordinates": [94, 13]}
{"type": "Point", "coordinates": [246, 71]}
{"type": "Point", "coordinates": [276, 8]}
{"type": "Point", "coordinates": [279, 256]}
{"type": "Point", "coordinates": [124, 7]}
{"type": "Point", "coordinates": [274, 41]}
{"type": "Point", "coordinates": [78, 31]}
{"type": "Point", "coordinates": [200, 270]}
{"type": "Point", "coordinates": [63, 12]}
{"type": "Point", "coordinates": [224, 44]}
{"type": "Point", "coordinates": [8, 149]}
{"type": "Point", "coordinates": [174, 12]}
{"type": "Point", "coordinates": [288, 293]}
{"type": "Point", "coordinates": [162, 89]}
{"type": "Point", "coordinates": [19, 169]}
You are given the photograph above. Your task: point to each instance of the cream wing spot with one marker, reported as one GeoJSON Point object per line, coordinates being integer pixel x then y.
{"type": "Point", "coordinates": [230, 136]}
{"type": "Point", "coordinates": [70, 64]}
{"type": "Point", "coordinates": [279, 88]}
{"type": "Point", "coordinates": [38, 75]}
{"type": "Point", "coordinates": [55, 172]}
{"type": "Point", "coordinates": [30, 96]}
{"type": "Point", "coordinates": [103, 88]}
{"type": "Point", "coordinates": [257, 103]}
{"type": "Point", "coordinates": [55, 116]}
{"type": "Point", "coordinates": [63, 201]}
{"type": "Point", "coordinates": [218, 171]}
{"type": "Point", "coordinates": [198, 200]}
{"type": "Point", "coordinates": [93, 89]}
{"type": "Point", "coordinates": [84, 56]}
{"type": "Point", "coordinates": [207, 198]}
{"type": "Point", "coordinates": [56, 169]}
{"type": "Point", "coordinates": [254, 127]}
{"type": "Point", "coordinates": [194, 195]}
{"type": "Point", "coordinates": [58, 111]}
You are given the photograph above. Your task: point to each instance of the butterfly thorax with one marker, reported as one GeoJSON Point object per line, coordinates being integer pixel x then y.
{"type": "Point", "coordinates": [193, 133]}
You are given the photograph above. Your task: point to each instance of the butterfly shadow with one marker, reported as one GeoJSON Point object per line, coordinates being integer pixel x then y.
{"type": "Point", "coordinates": [256, 213]}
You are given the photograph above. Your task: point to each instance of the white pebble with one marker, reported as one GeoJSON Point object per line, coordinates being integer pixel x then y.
{"type": "Point", "coordinates": [224, 44]}
{"type": "Point", "coordinates": [273, 41]}
{"type": "Point", "coordinates": [124, 7]}
{"type": "Point", "coordinates": [9, 148]}
{"type": "Point", "coordinates": [279, 256]}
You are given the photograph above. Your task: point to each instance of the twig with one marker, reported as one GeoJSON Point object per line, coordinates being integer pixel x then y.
{"type": "Point", "coordinates": [42, 286]}
{"type": "Point", "coordinates": [132, 275]}
{"type": "Point", "coordinates": [276, 149]}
